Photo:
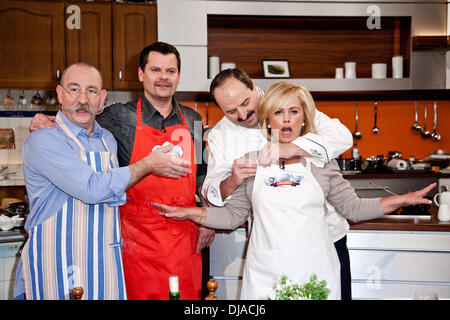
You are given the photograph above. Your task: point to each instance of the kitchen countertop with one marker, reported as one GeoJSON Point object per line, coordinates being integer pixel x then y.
{"type": "Point", "coordinates": [404, 223]}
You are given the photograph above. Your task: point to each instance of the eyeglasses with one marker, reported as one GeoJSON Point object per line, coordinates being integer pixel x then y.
{"type": "Point", "coordinates": [91, 93]}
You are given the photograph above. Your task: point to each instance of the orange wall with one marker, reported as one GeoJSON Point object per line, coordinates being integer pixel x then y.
{"type": "Point", "coordinates": [395, 119]}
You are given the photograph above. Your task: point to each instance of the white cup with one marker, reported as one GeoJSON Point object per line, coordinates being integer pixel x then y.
{"type": "Point", "coordinates": [397, 67]}
{"type": "Point", "coordinates": [339, 73]}
{"type": "Point", "coordinates": [214, 66]}
{"type": "Point", "coordinates": [350, 70]}
{"type": "Point", "coordinates": [227, 65]}
{"type": "Point", "coordinates": [444, 212]}
{"type": "Point", "coordinates": [379, 70]}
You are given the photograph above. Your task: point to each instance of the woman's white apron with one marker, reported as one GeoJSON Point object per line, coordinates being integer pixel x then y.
{"type": "Point", "coordinates": [289, 233]}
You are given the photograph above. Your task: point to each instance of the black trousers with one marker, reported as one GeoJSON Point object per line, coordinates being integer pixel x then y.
{"type": "Point", "coordinates": [346, 277]}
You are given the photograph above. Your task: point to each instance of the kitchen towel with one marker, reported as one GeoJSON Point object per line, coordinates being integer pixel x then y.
{"type": "Point", "coordinates": [397, 164]}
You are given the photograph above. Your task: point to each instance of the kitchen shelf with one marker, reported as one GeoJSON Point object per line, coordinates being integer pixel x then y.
{"type": "Point", "coordinates": [367, 95]}
{"type": "Point", "coordinates": [313, 45]}
{"type": "Point", "coordinates": [430, 42]}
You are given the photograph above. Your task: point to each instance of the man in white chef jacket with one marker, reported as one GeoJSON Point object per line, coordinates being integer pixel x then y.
{"type": "Point", "coordinates": [237, 134]}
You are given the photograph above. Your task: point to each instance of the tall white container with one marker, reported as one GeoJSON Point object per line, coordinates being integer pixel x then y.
{"type": "Point", "coordinates": [214, 66]}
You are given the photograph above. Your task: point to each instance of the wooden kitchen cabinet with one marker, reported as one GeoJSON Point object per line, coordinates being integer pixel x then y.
{"type": "Point", "coordinates": [91, 43]}
{"type": "Point", "coordinates": [36, 43]}
{"type": "Point", "coordinates": [32, 44]}
{"type": "Point", "coordinates": [134, 27]}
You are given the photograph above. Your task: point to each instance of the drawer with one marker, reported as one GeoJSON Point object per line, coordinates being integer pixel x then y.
{"type": "Point", "coordinates": [400, 265]}
{"type": "Point", "coordinates": [9, 260]}
{"type": "Point", "coordinates": [396, 290]}
{"type": "Point", "coordinates": [399, 240]}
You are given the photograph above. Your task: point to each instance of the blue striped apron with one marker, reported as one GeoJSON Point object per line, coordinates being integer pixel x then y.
{"type": "Point", "coordinates": [80, 246]}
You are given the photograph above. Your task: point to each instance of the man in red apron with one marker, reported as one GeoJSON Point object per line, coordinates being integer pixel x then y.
{"type": "Point", "coordinates": [155, 248]}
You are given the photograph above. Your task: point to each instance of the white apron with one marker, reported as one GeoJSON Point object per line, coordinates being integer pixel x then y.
{"type": "Point", "coordinates": [289, 233]}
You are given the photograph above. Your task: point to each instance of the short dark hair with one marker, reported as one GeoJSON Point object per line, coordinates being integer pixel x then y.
{"type": "Point", "coordinates": [161, 47]}
{"type": "Point", "coordinates": [226, 74]}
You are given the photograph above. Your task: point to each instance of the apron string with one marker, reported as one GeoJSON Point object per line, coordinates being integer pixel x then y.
{"type": "Point", "coordinates": [66, 130]}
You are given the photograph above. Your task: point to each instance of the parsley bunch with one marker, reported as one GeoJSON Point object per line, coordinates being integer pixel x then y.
{"type": "Point", "coordinates": [312, 290]}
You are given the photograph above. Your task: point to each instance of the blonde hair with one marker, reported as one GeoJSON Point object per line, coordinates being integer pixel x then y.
{"type": "Point", "coordinates": [278, 95]}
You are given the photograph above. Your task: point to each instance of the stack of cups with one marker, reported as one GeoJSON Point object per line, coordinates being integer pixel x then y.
{"type": "Point", "coordinates": [339, 73]}
{"type": "Point", "coordinates": [379, 70]}
{"type": "Point", "coordinates": [350, 70]}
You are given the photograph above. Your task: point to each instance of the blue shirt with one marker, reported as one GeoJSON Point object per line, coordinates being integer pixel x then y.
{"type": "Point", "coordinates": [54, 171]}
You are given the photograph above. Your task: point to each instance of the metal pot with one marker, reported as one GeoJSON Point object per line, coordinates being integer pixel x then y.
{"type": "Point", "coordinates": [374, 164]}
{"type": "Point", "coordinates": [16, 208]}
{"type": "Point", "coordinates": [395, 155]}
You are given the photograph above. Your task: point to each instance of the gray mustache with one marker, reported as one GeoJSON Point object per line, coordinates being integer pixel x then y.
{"type": "Point", "coordinates": [85, 107]}
{"type": "Point", "coordinates": [78, 106]}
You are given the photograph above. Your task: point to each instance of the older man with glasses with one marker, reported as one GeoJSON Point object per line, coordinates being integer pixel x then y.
{"type": "Point", "coordinates": [75, 187]}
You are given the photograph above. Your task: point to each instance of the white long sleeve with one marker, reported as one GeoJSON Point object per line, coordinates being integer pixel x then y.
{"type": "Point", "coordinates": [332, 140]}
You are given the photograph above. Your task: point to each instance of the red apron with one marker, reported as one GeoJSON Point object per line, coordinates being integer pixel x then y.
{"type": "Point", "coordinates": [155, 247]}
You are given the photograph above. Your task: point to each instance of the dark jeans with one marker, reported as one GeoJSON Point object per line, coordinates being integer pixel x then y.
{"type": "Point", "coordinates": [344, 259]}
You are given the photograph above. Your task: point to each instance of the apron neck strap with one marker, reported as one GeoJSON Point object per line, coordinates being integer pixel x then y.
{"type": "Point", "coordinates": [67, 131]}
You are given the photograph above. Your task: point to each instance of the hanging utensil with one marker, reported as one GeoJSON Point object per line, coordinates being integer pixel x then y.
{"type": "Point", "coordinates": [206, 128]}
{"type": "Point", "coordinates": [415, 125]}
{"type": "Point", "coordinates": [356, 134]}
{"type": "Point", "coordinates": [425, 133]}
{"type": "Point", "coordinates": [375, 129]}
{"type": "Point", "coordinates": [436, 136]}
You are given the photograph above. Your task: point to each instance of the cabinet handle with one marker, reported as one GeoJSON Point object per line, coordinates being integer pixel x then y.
{"type": "Point", "coordinates": [57, 74]}
{"type": "Point", "coordinates": [120, 75]}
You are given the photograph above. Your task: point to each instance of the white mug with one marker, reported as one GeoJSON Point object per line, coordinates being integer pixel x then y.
{"type": "Point", "coordinates": [339, 73]}
{"type": "Point", "coordinates": [379, 70]}
{"type": "Point", "coordinates": [350, 70]}
{"type": "Point", "coordinates": [444, 198]}
{"type": "Point", "coordinates": [444, 212]}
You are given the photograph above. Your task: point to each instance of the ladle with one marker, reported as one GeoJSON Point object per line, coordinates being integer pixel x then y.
{"type": "Point", "coordinates": [375, 129]}
{"type": "Point", "coordinates": [425, 133]}
{"type": "Point", "coordinates": [436, 136]}
{"type": "Point", "coordinates": [356, 134]}
{"type": "Point", "coordinates": [415, 125]}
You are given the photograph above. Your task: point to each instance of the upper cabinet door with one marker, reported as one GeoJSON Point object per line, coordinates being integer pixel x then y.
{"type": "Point", "coordinates": [134, 27]}
{"type": "Point", "coordinates": [32, 44]}
{"type": "Point", "coordinates": [91, 41]}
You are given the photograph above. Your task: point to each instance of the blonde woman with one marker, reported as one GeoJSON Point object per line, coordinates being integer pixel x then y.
{"type": "Point", "coordinates": [289, 233]}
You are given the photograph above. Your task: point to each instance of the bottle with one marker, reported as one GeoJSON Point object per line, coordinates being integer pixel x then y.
{"type": "Point", "coordinates": [355, 152]}
{"type": "Point", "coordinates": [174, 291]}
{"type": "Point", "coordinates": [355, 162]}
